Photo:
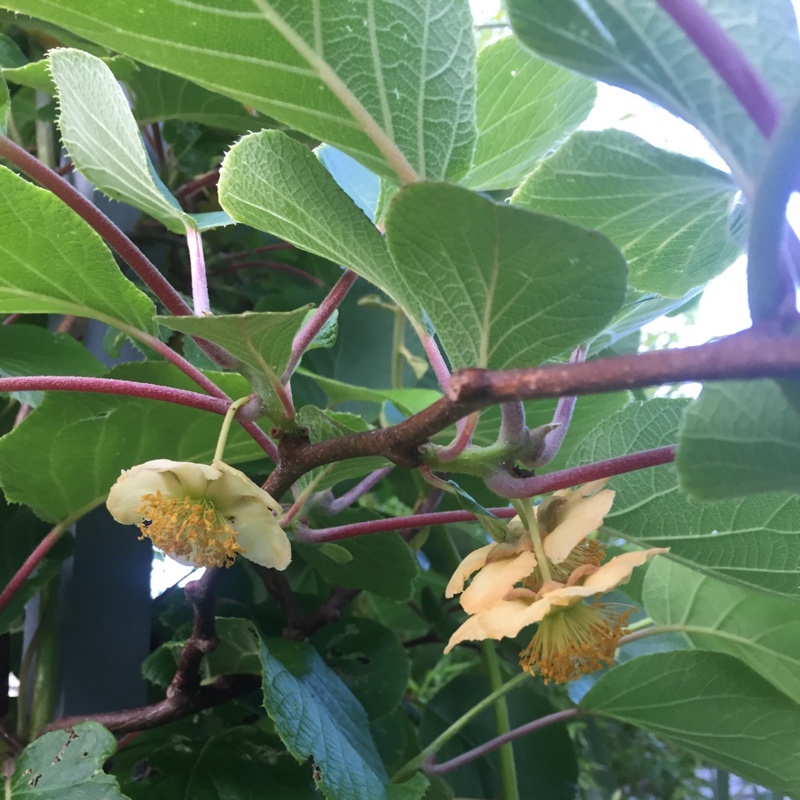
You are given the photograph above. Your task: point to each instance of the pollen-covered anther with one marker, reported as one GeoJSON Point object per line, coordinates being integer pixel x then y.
{"type": "Point", "coordinates": [574, 640]}
{"type": "Point", "coordinates": [190, 528]}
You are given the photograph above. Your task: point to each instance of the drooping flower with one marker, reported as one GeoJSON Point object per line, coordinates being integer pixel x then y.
{"type": "Point", "coordinates": [511, 590]}
{"type": "Point", "coordinates": [201, 514]}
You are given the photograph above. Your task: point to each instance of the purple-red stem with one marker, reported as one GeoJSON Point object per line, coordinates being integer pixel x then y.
{"type": "Point", "coordinates": [360, 489]}
{"type": "Point", "coordinates": [729, 62]}
{"type": "Point", "coordinates": [440, 368]}
{"type": "Point", "coordinates": [12, 318]}
{"type": "Point", "coordinates": [264, 248]}
{"type": "Point", "coordinates": [563, 479]}
{"type": "Point", "coordinates": [326, 308]}
{"type": "Point", "coordinates": [190, 189]}
{"type": "Point", "coordinates": [31, 562]}
{"type": "Point", "coordinates": [432, 768]}
{"type": "Point", "coordinates": [465, 427]}
{"type": "Point", "coordinates": [148, 391]}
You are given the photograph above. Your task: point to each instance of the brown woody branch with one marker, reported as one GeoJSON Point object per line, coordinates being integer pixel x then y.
{"type": "Point", "coordinates": [756, 353]}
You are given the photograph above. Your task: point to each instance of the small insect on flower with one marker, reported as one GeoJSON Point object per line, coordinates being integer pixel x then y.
{"type": "Point", "coordinates": [201, 514]}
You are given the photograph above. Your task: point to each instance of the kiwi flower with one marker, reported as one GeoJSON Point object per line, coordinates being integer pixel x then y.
{"type": "Point", "coordinates": [513, 590]}
{"type": "Point", "coordinates": [201, 514]}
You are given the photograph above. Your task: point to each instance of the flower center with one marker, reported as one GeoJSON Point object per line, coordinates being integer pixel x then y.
{"type": "Point", "coordinates": [574, 640]}
{"type": "Point", "coordinates": [189, 528]}
{"type": "Point", "coordinates": [588, 552]}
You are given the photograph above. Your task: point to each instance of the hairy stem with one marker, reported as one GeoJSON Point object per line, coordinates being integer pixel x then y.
{"type": "Point", "coordinates": [359, 490]}
{"type": "Point", "coordinates": [326, 308]}
{"type": "Point", "coordinates": [197, 263]}
{"type": "Point", "coordinates": [563, 479]}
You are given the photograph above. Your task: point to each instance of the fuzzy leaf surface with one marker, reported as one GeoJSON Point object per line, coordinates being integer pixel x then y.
{"type": "Point", "coordinates": [667, 213]}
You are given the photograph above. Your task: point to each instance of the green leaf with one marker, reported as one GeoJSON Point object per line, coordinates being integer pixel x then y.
{"type": "Point", "coordinates": [84, 440]}
{"type": "Point", "coordinates": [405, 69]}
{"type": "Point", "coordinates": [317, 717]}
{"type": "Point", "coordinates": [261, 341]}
{"type": "Point", "coordinates": [10, 54]}
{"type": "Point", "coordinates": [382, 564]}
{"type": "Point", "coordinates": [751, 540]}
{"type": "Point", "coordinates": [526, 107]}
{"type": "Point", "coordinates": [66, 763]}
{"type": "Point", "coordinates": [237, 654]}
{"type": "Point", "coordinates": [668, 214]}
{"type": "Point", "coordinates": [739, 438]}
{"type": "Point", "coordinates": [37, 75]}
{"type": "Point", "coordinates": [103, 140]}
{"type": "Point", "coordinates": [503, 287]}
{"type": "Point", "coordinates": [239, 762]}
{"type": "Point", "coordinates": [275, 184]}
{"type": "Point", "coordinates": [31, 350]}
{"type": "Point", "coordinates": [67, 271]}
{"type": "Point", "coordinates": [370, 661]}
{"type": "Point", "coordinates": [640, 48]}
{"type": "Point", "coordinates": [159, 96]}
{"type": "Point", "coordinates": [712, 704]}
{"type": "Point", "coordinates": [761, 631]}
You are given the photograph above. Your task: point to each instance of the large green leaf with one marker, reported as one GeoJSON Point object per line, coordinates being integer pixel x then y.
{"type": "Point", "coordinates": [761, 631]}
{"type": "Point", "coordinates": [502, 286]}
{"type": "Point", "coordinates": [275, 184]}
{"type": "Point", "coordinates": [84, 440]}
{"type": "Point", "coordinates": [31, 350]}
{"type": "Point", "coordinates": [66, 764]}
{"type": "Point", "coordinates": [636, 45]}
{"type": "Point", "coordinates": [738, 438]}
{"type": "Point", "coordinates": [261, 341]}
{"type": "Point", "coordinates": [751, 540]}
{"type": "Point", "coordinates": [668, 214]}
{"type": "Point", "coordinates": [712, 704]}
{"type": "Point", "coordinates": [190, 763]}
{"type": "Point", "coordinates": [103, 140]}
{"type": "Point", "coordinates": [52, 262]}
{"type": "Point", "coordinates": [407, 70]}
{"type": "Point", "coordinates": [526, 107]}
{"type": "Point", "coordinates": [317, 717]}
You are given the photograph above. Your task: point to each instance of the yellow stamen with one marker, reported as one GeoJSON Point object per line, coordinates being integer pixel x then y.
{"type": "Point", "coordinates": [574, 640]}
{"type": "Point", "coordinates": [189, 528]}
{"type": "Point", "coordinates": [588, 553]}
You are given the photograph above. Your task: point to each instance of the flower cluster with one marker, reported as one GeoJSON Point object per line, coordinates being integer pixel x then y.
{"type": "Point", "coordinates": [512, 589]}
{"type": "Point", "coordinates": [201, 514]}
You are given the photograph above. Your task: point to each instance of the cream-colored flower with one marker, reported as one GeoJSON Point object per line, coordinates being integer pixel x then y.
{"type": "Point", "coordinates": [201, 514]}
{"type": "Point", "coordinates": [512, 591]}
{"type": "Point", "coordinates": [572, 639]}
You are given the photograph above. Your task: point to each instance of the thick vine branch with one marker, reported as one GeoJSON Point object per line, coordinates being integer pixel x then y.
{"type": "Point", "coordinates": [756, 353]}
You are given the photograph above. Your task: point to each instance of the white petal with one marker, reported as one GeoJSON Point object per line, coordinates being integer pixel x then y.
{"type": "Point", "coordinates": [473, 562]}
{"type": "Point", "coordinates": [495, 580]}
{"type": "Point", "coordinates": [261, 538]}
{"type": "Point", "coordinates": [232, 485]}
{"type": "Point", "coordinates": [126, 494]}
{"type": "Point", "coordinates": [619, 569]}
{"type": "Point", "coordinates": [580, 519]}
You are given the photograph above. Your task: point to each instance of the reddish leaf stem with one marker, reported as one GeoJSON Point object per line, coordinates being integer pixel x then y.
{"type": "Point", "coordinates": [277, 265]}
{"type": "Point", "coordinates": [30, 564]}
{"type": "Point", "coordinates": [729, 62]}
{"type": "Point", "coordinates": [326, 308]}
{"type": "Point", "coordinates": [348, 498]}
{"type": "Point", "coordinates": [541, 484]}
